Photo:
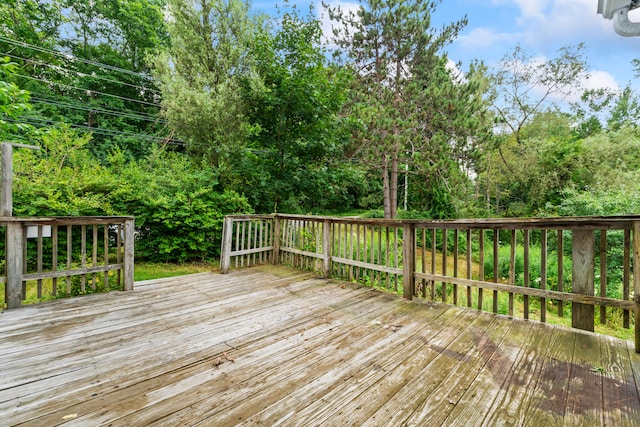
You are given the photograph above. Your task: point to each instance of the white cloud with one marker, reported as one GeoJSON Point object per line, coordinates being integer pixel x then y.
{"type": "Point", "coordinates": [326, 23]}
{"type": "Point", "coordinates": [484, 38]}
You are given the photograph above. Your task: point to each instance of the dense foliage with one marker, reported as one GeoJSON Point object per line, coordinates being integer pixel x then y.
{"type": "Point", "coordinates": [182, 111]}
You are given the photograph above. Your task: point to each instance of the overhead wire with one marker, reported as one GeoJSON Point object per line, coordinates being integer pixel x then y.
{"type": "Point", "coordinates": [88, 90]}
{"type": "Point", "coordinates": [101, 110]}
{"type": "Point", "coordinates": [78, 73]}
{"type": "Point", "coordinates": [101, 131]}
{"type": "Point", "coordinates": [120, 113]}
{"type": "Point", "coordinates": [70, 57]}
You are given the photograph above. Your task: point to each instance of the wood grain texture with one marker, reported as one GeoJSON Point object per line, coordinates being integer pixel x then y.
{"type": "Point", "coordinates": [276, 346]}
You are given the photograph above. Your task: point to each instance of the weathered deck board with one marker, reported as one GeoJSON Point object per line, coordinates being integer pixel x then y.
{"type": "Point", "coordinates": [306, 351]}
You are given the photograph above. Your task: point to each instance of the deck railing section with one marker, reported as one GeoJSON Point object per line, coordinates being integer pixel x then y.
{"type": "Point", "coordinates": [66, 256]}
{"type": "Point", "coordinates": [549, 262]}
{"type": "Point", "coordinates": [248, 240]}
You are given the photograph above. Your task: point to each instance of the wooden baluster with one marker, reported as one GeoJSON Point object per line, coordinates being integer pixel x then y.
{"type": "Point", "coordinates": [469, 269]}
{"type": "Point", "coordinates": [626, 274]}
{"type": "Point", "coordinates": [560, 271]}
{"type": "Point", "coordinates": [455, 265]}
{"type": "Point", "coordinates": [525, 298]}
{"type": "Point", "coordinates": [603, 274]}
{"type": "Point", "coordinates": [444, 263]}
{"type": "Point", "coordinates": [496, 265]}
{"type": "Point", "coordinates": [481, 262]}
{"type": "Point", "coordinates": [543, 274]}
{"type": "Point", "coordinates": [583, 265]}
{"type": "Point", "coordinates": [512, 268]}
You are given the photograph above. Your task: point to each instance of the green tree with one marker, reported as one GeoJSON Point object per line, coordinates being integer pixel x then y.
{"type": "Point", "coordinates": [294, 160]}
{"type": "Point", "coordinates": [203, 70]}
{"type": "Point", "coordinates": [13, 102]}
{"type": "Point", "coordinates": [86, 67]}
{"type": "Point", "coordinates": [393, 49]}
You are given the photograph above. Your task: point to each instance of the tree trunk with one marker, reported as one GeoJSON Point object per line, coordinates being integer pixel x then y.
{"type": "Point", "coordinates": [393, 191]}
{"type": "Point", "coordinates": [385, 188]}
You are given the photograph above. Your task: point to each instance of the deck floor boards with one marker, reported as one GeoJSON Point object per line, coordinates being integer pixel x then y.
{"type": "Point", "coordinates": [275, 346]}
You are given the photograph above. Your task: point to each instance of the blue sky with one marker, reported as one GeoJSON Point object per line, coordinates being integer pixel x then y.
{"type": "Point", "coordinates": [541, 26]}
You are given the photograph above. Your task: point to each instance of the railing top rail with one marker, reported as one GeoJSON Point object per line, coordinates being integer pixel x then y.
{"type": "Point", "coordinates": [559, 223]}
{"type": "Point", "coordinates": [63, 220]}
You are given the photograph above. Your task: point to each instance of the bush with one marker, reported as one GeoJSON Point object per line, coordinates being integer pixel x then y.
{"type": "Point", "coordinates": [179, 211]}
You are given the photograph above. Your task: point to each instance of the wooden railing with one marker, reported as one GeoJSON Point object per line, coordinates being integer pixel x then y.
{"type": "Point", "coordinates": [574, 264]}
{"type": "Point", "coordinates": [65, 256]}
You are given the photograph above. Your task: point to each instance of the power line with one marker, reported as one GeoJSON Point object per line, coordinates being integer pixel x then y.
{"type": "Point", "coordinates": [78, 73]}
{"type": "Point", "coordinates": [88, 90]}
{"type": "Point", "coordinates": [98, 110]}
{"type": "Point", "coordinates": [104, 132]}
{"type": "Point", "coordinates": [69, 57]}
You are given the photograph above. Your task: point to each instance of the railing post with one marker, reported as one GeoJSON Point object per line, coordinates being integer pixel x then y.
{"type": "Point", "coordinates": [14, 253]}
{"type": "Point", "coordinates": [129, 245]}
{"type": "Point", "coordinates": [227, 241]}
{"type": "Point", "coordinates": [408, 260]}
{"type": "Point", "coordinates": [583, 315]}
{"type": "Point", "coordinates": [636, 280]}
{"type": "Point", "coordinates": [326, 248]}
{"type": "Point", "coordinates": [276, 240]}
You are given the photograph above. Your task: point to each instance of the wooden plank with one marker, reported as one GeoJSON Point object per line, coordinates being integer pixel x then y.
{"type": "Point", "coordinates": [350, 262]}
{"type": "Point", "coordinates": [585, 408]}
{"type": "Point", "coordinates": [39, 255]}
{"type": "Point", "coordinates": [94, 254]}
{"type": "Point", "coordinates": [498, 356]}
{"type": "Point", "coordinates": [306, 352]}
{"type": "Point", "coordinates": [526, 273]}
{"type": "Point", "coordinates": [455, 264]}
{"type": "Point", "coordinates": [469, 266]}
{"type": "Point", "coordinates": [408, 261]}
{"type": "Point", "coordinates": [582, 316]}
{"type": "Point", "coordinates": [534, 292]}
{"type": "Point", "coordinates": [261, 250]}
{"type": "Point", "coordinates": [433, 263]}
{"type": "Point", "coordinates": [54, 258]}
{"type": "Point", "coordinates": [636, 283]}
{"type": "Point", "coordinates": [543, 274]}
{"type": "Point", "coordinates": [603, 274]}
{"type": "Point", "coordinates": [431, 395]}
{"type": "Point", "coordinates": [14, 265]}
{"type": "Point", "coordinates": [512, 267]}
{"type": "Point", "coordinates": [547, 402]}
{"type": "Point", "coordinates": [273, 379]}
{"type": "Point", "coordinates": [621, 401]}
{"type": "Point", "coordinates": [444, 264]}
{"type": "Point", "coordinates": [356, 398]}
{"type": "Point", "coordinates": [480, 267]}
{"type": "Point", "coordinates": [626, 273]}
{"type": "Point", "coordinates": [72, 272]}
{"type": "Point", "coordinates": [560, 270]}
{"type": "Point", "coordinates": [510, 405]}
{"type": "Point", "coordinates": [496, 264]}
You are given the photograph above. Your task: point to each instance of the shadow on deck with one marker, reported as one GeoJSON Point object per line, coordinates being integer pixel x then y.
{"type": "Point", "coordinates": [270, 345]}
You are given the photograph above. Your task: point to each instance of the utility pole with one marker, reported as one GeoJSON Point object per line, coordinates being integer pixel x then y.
{"type": "Point", "coordinates": [6, 187]}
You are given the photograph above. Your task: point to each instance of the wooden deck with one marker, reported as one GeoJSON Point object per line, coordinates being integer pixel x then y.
{"type": "Point", "coordinates": [275, 346]}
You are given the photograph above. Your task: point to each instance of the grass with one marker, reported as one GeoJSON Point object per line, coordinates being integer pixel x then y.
{"type": "Point", "coordinates": [149, 271]}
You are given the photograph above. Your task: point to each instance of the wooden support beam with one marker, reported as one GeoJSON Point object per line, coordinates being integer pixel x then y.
{"type": "Point", "coordinates": [326, 248]}
{"type": "Point", "coordinates": [583, 316]}
{"type": "Point", "coordinates": [277, 223]}
{"type": "Point", "coordinates": [408, 260]}
{"type": "Point", "coordinates": [14, 264]}
{"type": "Point", "coordinates": [227, 241]}
{"type": "Point", "coordinates": [129, 244]}
{"type": "Point", "coordinates": [636, 281]}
